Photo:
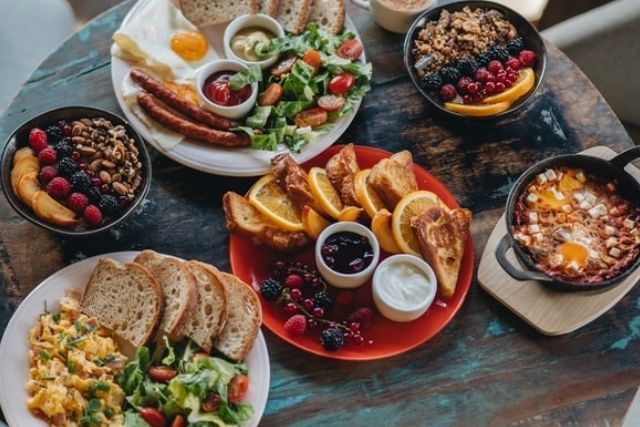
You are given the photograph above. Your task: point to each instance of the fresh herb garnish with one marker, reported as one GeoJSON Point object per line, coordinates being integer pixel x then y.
{"type": "Point", "coordinates": [44, 355]}
{"type": "Point", "coordinates": [107, 359]}
{"type": "Point", "coordinates": [71, 366]}
{"type": "Point", "coordinates": [75, 341]}
{"type": "Point", "coordinates": [56, 317]}
{"type": "Point", "coordinates": [98, 386]}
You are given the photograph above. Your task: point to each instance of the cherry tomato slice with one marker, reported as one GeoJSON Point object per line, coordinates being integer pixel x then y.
{"type": "Point", "coordinates": [154, 417]}
{"type": "Point", "coordinates": [271, 95]}
{"type": "Point", "coordinates": [342, 83]}
{"type": "Point", "coordinates": [162, 373]}
{"type": "Point", "coordinates": [211, 402]}
{"type": "Point", "coordinates": [312, 57]}
{"type": "Point", "coordinates": [331, 102]}
{"type": "Point", "coordinates": [238, 386]}
{"type": "Point", "coordinates": [178, 421]}
{"type": "Point", "coordinates": [350, 49]}
{"type": "Point", "coordinates": [284, 67]}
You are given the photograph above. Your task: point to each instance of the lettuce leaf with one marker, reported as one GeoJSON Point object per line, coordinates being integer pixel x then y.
{"type": "Point", "coordinates": [170, 358]}
{"type": "Point", "coordinates": [259, 116]}
{"type": "Point", "coordinates": [251, 74]}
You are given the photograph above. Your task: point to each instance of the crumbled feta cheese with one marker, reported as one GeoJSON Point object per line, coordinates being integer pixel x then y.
{"type": "Point", "coordinates": [585, 205]}
{"type": "Point", "coordinates": [551, 175]}
{"type": "Point", "coordinates": [556, 260]}
{"type": "Point", "coordinates": [533, 217]}
{"type": "Point", "coordinates": [628, 223]}
{"type": "Point", "coordinates": [609, 230]}
{"type": "Point", "coordinates": [567, 208]}
{"type": "Point", "coordinates": [523, 239]}
{"type": "Point", "coordinates": [611, 187]}
{"type": "Point", "coordinates": [573, 266]}
{"type": "Point", "coordinates": [532, 198]}
{"type": "Point", "coordinates": [594, 254]}
{"type": "Point", "coordinates": [591, 198]}
{"type": "Point", "coordinates": [598, 211]}
{"type": "Point", "coordinates": [635, 232]}
{"type": "Point", "coordinates": [614, 252]}
{"type": "Point", "coordinates": [614, 211]}
{"type": "Point", "coordinates": [580, 177]}
{"type": "Point", "coordinates": [541, 178]}
{"type": "Point", "coordinates": [538, 237]}
{"type": "Point", "coordinates": [611, 241]}
{"type": "Point", "coordinates": [557, 194]}
{"type": "Point", "coordinates": [534, 228]}
{"type": "Point", "coordinates": [578, 197]}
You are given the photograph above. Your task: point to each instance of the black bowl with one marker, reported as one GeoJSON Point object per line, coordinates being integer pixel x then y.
{"type": "Point", "coordinates": [528, 32]}
{"type": "Point", "coordinates": [628, 188]}
{"type": "Point", "coordinates": [19, 139]}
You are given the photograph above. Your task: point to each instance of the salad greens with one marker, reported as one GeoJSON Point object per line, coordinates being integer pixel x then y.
{"type": "Point", "coordinates": [198, 377]}
{"type": "Point", "coordinates": [302, 86]}
{"type": "Point", "coordinates": [245, 77]}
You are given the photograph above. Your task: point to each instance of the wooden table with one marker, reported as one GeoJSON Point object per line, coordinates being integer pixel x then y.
{"type": "Point", "coordinates": [487, 367]}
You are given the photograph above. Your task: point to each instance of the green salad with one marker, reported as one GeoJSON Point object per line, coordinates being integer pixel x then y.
{"type": "Point", "coordinates": [186, 387]}
{"type": "Point", "coordinates": [318, 79]}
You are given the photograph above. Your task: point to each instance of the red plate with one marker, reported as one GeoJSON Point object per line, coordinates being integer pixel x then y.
{"type": "Point", "coordinates": [251, 264]}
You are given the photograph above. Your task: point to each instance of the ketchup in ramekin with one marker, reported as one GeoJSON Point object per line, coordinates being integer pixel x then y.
{"type": "Point", "coordinates": [216, 89]}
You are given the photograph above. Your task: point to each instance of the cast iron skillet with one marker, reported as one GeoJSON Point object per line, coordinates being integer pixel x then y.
{"type": "Point", "coordinates": [18, 139]}
{"type": "Point", "coordinates": [612, 169]}
{"type": "Point", "coordinates": [528, 32]}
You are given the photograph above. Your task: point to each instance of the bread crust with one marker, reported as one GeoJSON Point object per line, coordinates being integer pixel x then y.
{"type": "Point", "coordinates": [157, 289]}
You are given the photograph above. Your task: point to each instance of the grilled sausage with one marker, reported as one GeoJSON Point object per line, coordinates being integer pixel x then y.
{"type": "Point", "coordinates": [177, 102]}
{"type": "Point", "coordinates": [188, 128]}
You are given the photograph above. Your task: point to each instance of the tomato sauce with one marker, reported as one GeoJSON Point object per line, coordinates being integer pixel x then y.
{"type": "Point", "coordinates": [216, 89]}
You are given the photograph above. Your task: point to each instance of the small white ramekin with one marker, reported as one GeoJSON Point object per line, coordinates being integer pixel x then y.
{"type": "Point", "coordinates": [232, 112]}
{"type": "Point", "coordinates": [387, 308]}
{"type": "Point", "coordinates": [258, 20]}
{"type": "Point", "coordinates": [341, 280]}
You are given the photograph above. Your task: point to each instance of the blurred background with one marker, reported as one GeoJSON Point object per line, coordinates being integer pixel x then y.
{"type": "Point", "coordinates": [601, 36]}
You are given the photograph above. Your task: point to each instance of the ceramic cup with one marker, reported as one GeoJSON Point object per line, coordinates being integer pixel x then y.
{"type": "Point", "coordinates": [395, 15]}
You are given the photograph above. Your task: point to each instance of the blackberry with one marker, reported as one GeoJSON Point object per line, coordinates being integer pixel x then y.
{"type": "Point", "coordinates": [109, 205]}
{"type": "Point", "coordinates": [450, 75]}
{"type": "Point", "coordinates": [431, 82]}
{"type": "Point", "coordinates": [270, 289]}
{"type": "Point", "coordinates": [323, 300]}
{"type": "Point", "coordinates": [54, 134]}
{"type": "Point", "coordinates": [94, 195]}
{"type": "Point", "coordinates": [332, 339]}
{"type": "Point", "coordinates": [467, 66]}
{"type": "Point", "coordinates": [515, 46]}
{"type": "Point", "coordinates": [483, 59]}
{"type": "Point", "coordinates": [499, 52]}
{"type": "Point", "coordinates": [64, 148]}
{"type": "Point", "coordinates": [67, 167]}
{"type": "Point", "coordinates": [80, 182]}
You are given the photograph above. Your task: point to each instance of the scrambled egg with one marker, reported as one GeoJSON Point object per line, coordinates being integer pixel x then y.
{"type": "Point", "coordinates": [74, 363]}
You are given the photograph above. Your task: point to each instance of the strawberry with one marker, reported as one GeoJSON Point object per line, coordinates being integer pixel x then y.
{"type": "Point", "coordinates": [296, 325]}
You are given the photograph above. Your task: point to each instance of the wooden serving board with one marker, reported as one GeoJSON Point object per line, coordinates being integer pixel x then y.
{"type": "Point", "coordinates": [549, 312]}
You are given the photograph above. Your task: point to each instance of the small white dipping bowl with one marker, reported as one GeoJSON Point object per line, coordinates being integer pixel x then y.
{"type": "Point", "coordinates": [391, 309]}
{"type": "Point", "coordinates": [259, 20]}
{"type": "Point", "coordinates": [341, 280]}
{"type": "Point", "coordinates": [232, 112]}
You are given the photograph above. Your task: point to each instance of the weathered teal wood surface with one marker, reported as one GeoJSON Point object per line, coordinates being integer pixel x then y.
{"type": "Point", "coordinates": [487, 368]}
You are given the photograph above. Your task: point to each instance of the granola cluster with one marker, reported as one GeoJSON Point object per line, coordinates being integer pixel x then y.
{"type": "Point", "coordinates": [462, 34]}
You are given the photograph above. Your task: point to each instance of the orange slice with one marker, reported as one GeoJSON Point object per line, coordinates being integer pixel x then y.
{"type": "Point", "coordinates": [478, 110]}
{"type": "Point", "coordinates": [381, 227]}
{"type": "Point", "coordinates": [350, 214]}
{"type": "Point", "coordinates": [366, 195]}
{"type": "Point", "coordinates": [313, 222]}
{"type": "Point", "coordinates": [524, 84]}
{"type": "Point", "coordinates": [268, 197]}
{"type": "Point", "coordinates": [324, 192]}
{"type": "Point", "coordinates": [409, 206]}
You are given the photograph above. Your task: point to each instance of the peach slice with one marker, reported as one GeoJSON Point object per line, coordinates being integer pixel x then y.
{"type": "Point", "coordinates": [28, 187]}
{"type": "Point", "coordinates": [313, 222]}
{"type": "Point", "coordinates": [350, 213]}
{"type": "Point", "coordinates": [381, 227]}
{"type": "Point", "coordinates": [22, 153]}
{"type": "Point", "coordinates": [29, 163]}
{"type": "Point", "coordinates": [50, 210]}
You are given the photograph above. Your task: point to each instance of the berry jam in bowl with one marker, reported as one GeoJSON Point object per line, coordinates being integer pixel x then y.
{"type": "Point", "coordinates": [216, 94]}
{"type": "Point", "coordinates": [75, 171]}
{"type": "Point", "coordinates": [346, 254]}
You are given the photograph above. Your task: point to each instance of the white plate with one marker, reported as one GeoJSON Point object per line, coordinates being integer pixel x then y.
{"type": "Point", "coordinates": [14, 348]}
{"type": "Point", "coordinates": [217, 160]}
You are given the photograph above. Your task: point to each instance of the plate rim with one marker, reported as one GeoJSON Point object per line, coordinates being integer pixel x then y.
{"type": "Point", "coordinates": [259, 345]}
{"type": "Point", "coordinates": [468, 253]}
{"type": "Point", "coordinates": [322, 144]}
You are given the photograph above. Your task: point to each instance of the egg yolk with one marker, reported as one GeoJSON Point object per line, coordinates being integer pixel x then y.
{"type": "Point", "coordinates": [189, 45]}
{"type": "Point", "coordinates": [185, 91]}
{"type": "Point", "coordinates": [572, 251]}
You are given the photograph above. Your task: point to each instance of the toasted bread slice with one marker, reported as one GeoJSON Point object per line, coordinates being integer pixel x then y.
{"type": "Point", "coordinates": [210, 12]}
{"type": "Point", "coordinates": [179, 287]}
{"type": "Point", "coordinates": [328, 15]}
{"type": "Point", "coordinates": [293, 180]}
{"type": "Point", "coordinates": [207, 321]}
{"type": "Point", "coordinates": [393, 178]}
{"type": "Point", "coordinates": [442, 235]}
{"type": "Point", "coordinates": [269, 7]}
{"type": "Point", "coordinates": [243, 321]}
{"type": "Point", "coordinates": [243, 218]}
{"type": "Point", "coordinates": [124, 298]}
{"type": "Point", "coordinates": [341, 169]}
{"type": "Point", "coordinates": [293, 14]}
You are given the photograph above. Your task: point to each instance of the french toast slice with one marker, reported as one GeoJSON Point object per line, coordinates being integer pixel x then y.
{"type": "Point", "coordinates": [341, 169]}
{"type": "Point", "coordinates": [294, 181]}
{"type": "Point", "coordinates": [393, 178]}
{"type": "Point", "coordinates": [442, 235]}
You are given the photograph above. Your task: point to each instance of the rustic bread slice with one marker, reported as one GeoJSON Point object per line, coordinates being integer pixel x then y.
{"type": "Point", "coordinates": [209, 12]}
{"type": "Point", "coordinates": [269, 7]}
{"type": "Point", "coordinates": [180, 291]}
{"type": "Point", "coordinates": [293, 14]}
{"type": "Point", "coordinates": [328, 15]}
{"type": "Point", "coordinates": [243, 321]}
{"type": "Point", "coordinates": [209, 318]}
{"type": "Point", "coordinates": [124, 298]}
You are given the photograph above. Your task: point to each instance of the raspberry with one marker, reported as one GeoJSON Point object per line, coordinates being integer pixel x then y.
{"type": "Point", "coordinates": [37, 140]}
{"type": "Point", "coordinates": [448, 92]}
{"type": "Point", "coordinates": [345, 299]}
{"type": "Point", "coordinates": [323, 300]}
{"type": "Point", "coordinates": [270, 289]}
{"type": "Point", "coordinates": [527, 58]}
{"type": "Point", "coordinates": [109, 205]}
{"type": "Point", "coordinates": [495, 66]}
{"type": "Point", "coordinates": [332, 339]}
{"type": "Point", "coordinates": [54, 133]}
{"type": "Point", "coordinates": [77, 202]}
{"type": "Point", "coordinates": [296, 325]}
{"type": "Point", "coordinates": [92, 215]}
{"type": "Point", "coordinates": [47, 156]}
{"type": "Point", "coordinates": [47, 173]}
{"type": "Point", "coordinates": [363, 316]}
{"type": "Point", "coordinates": [58, 188]}
{"type": "Point", "coordinates": [513, 63]}
{"type": "Point", "coordinates": [293, 281]}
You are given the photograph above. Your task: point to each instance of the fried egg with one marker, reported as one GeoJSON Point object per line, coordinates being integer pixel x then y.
{"type": "Point", "coordinates": [576, 245]}
{"type": "Point", "coordinates": [553, 193]}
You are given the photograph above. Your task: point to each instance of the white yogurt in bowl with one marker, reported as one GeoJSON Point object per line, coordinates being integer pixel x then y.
{"type": "Point", "coordinates": [404, 286]}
